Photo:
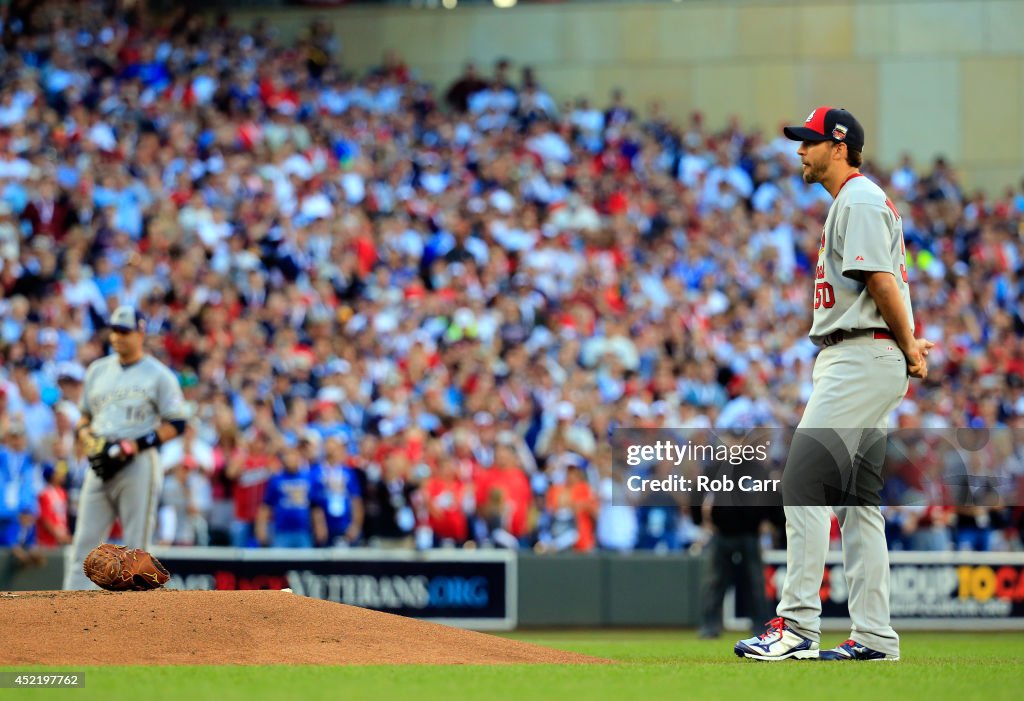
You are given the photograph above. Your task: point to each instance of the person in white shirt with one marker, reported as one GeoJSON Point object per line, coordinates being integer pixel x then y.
{"type": "Point", "coordinates": [10, 235]}
{"type": "Point", "coordinates": [79, 290]}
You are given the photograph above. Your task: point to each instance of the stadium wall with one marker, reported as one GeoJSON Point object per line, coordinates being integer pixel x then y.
{"type": "Point", "coordinates": [599, 589]}
{"type": "Point", "coordinates": [502, 590]}
{"type": "Point", "coordinates": [927, 77]}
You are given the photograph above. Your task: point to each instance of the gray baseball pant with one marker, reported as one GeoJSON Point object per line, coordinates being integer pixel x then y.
{"type": "Point", "coordinates": [131, 495]}
{"type": "Point", "coordinates": [856, 385]}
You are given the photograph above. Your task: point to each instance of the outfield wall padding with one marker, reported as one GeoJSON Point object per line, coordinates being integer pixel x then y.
{"type": "Point", "coordinates": [555, 590]}
{"type": "Point", "coordinates": [562, 590]}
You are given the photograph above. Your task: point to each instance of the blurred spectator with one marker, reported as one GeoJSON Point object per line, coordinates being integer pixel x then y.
{"type": "Point", "coordinates": [187, 497]}
{"type": "Point", "coordinates": [492, 523]}
{"type": "Point", "coordinates": [980, 528]}
{"type": "Point", "coordinates": [39, 421]}
{"type": "Point", "coordinates": [59, 445]}
{"type": "Point", "coordinates": [48, 213]}
{"type": "Point", "coordinates": [897, 528]}
{"type": "Point", "coordinates": [564, 433]}
{"type": "Point", "coordinates": [574, 494]}
{"type": "Point", "coordinates": [559, 530]}
{"type": "Point", "coordinates": [188, 450]}
{"type": "Point", "coordinates": [338, 511]}
{"type": "Point", "coordinates": [285, 516]}
{"type": "Point", "coordinates": [390, 514]}
{"type": "Point", "coordinates": [249, 470]}
{"type": "Point", "coordinates": [52, 524]}
{"type": "Point", "coordinates": [535, 104]}
{"type": "Point", "coordinates": [929, 527]}
{"type": "Point", "coordinates": [618, 112]}
{"type": "Point", "coordinates": [464, 87]}
{"type": "Point", "coordinates": [74, 465]}
{"type": "Point", "coordinates": [10, 236]}
{"type": "Point", "coordinates": [505, 489]}
{"type": "Point", "coordinates": [590, 123]}
{"type": "Point", "coordinates": [660, 516]}
{"type": "Point", "coordinates": [448, 501]}
{"type": "Point", "coordinates": [19, 489]}
{"type": "Point", "coordinates": [616, 518]}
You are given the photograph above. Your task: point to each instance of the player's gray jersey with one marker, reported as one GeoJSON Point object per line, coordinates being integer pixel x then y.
{"type": "Point", "coordinates": [129, 402]}
{"type": "Point", "coordinates": [862, 233]}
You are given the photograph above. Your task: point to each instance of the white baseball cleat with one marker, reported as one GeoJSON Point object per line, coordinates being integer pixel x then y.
{"type": "Point", "coordinates": [779, 642]}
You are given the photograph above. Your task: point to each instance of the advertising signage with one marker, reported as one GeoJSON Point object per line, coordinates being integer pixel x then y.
{"type": "Point", "coordinates": [468, 589]}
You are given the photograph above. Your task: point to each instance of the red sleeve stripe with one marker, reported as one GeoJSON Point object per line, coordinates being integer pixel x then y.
{"type": "Point", "coordinates": [892, 207]}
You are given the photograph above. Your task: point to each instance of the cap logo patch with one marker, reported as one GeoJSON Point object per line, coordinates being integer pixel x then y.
{"type": "Point", "coordinates": [839, 132]}
{"type": "Point", "coordinates": [810, 116]}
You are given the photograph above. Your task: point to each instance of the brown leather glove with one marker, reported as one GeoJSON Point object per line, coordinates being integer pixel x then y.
{"type": "Point", "coordinates": [117, 568]}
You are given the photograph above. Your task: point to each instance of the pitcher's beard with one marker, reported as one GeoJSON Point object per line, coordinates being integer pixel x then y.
{"type": "Point", "coordinates": [813, 175]}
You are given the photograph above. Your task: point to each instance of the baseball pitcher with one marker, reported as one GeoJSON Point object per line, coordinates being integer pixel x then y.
{"type": "Point", "coordinates": [864, 324]}
{"type": "Point", "coordinates": [131, 404]}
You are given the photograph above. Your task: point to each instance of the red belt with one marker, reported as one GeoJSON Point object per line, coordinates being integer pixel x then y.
{"type": "Point", "coordinates": [840, 336]}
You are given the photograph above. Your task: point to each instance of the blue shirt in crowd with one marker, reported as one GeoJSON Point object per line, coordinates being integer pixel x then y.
{"type": "Point", "coordinates": [19, 490]}
{"type": "Point", "coordinates": [336, 487]}
{"type": "Point", "coordinates": [290, 495]}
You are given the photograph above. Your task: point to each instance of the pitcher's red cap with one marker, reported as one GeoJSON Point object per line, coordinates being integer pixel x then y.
{"type": "Point", "coordinates": [829, 124]}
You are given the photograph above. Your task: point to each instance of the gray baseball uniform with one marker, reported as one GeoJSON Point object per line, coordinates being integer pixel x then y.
{"type": "Point", "coordinates": [863, 233]}
{"type": "Point", "coordinates": [859, 378]}
{"type": "Point", "coordinates": [124, 402]}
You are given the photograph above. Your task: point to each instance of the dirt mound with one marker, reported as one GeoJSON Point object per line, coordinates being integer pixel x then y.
{"type": "Point", "coordinates": [236, 627]}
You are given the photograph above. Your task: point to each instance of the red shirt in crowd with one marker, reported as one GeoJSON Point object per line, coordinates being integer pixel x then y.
{"type": "Point", "coordinates": [53, 512]}
{"type": "Point", "coordinates": [444, 500]}
{"type": "Point", "coordinates": [250, 485]}
{"type": "Point", "coordinates": [513, 484]}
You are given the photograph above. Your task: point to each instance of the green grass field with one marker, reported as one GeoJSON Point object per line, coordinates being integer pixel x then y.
{"type": "Point", "coordinates": [659, 665]}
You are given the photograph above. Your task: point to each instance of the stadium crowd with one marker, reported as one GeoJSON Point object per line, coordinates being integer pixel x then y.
{"type": "Point", "coordinates": [413, 317]}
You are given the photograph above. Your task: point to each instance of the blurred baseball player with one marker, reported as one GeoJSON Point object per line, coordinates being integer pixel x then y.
{"type": "Point", "coordinates": [131, 404]}
{"type": "Point", "coordinates": [864, 323]}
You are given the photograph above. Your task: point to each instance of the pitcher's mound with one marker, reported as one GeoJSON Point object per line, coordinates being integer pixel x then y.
{"type": "Point", "coordinates": [236, 627]}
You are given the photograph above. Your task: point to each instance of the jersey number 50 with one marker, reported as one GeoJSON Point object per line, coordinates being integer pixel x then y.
{"type": "Point", "coordinates": [824, 295]}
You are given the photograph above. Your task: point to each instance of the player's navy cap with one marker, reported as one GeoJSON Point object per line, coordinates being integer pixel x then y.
{"type": "Point", "coordinates": [127, 318]}
{"type": "Point", "coordinates": [829, 124]}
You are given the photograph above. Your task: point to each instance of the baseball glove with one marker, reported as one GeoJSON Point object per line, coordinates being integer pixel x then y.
{"type": "Point", "coordinates": [117, 568]}
{"type": "Point", "coordinates": [106, 457]}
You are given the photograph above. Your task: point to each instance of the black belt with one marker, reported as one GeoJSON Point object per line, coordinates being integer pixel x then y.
{"type": "Point", "coordinates": [841, 335]}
